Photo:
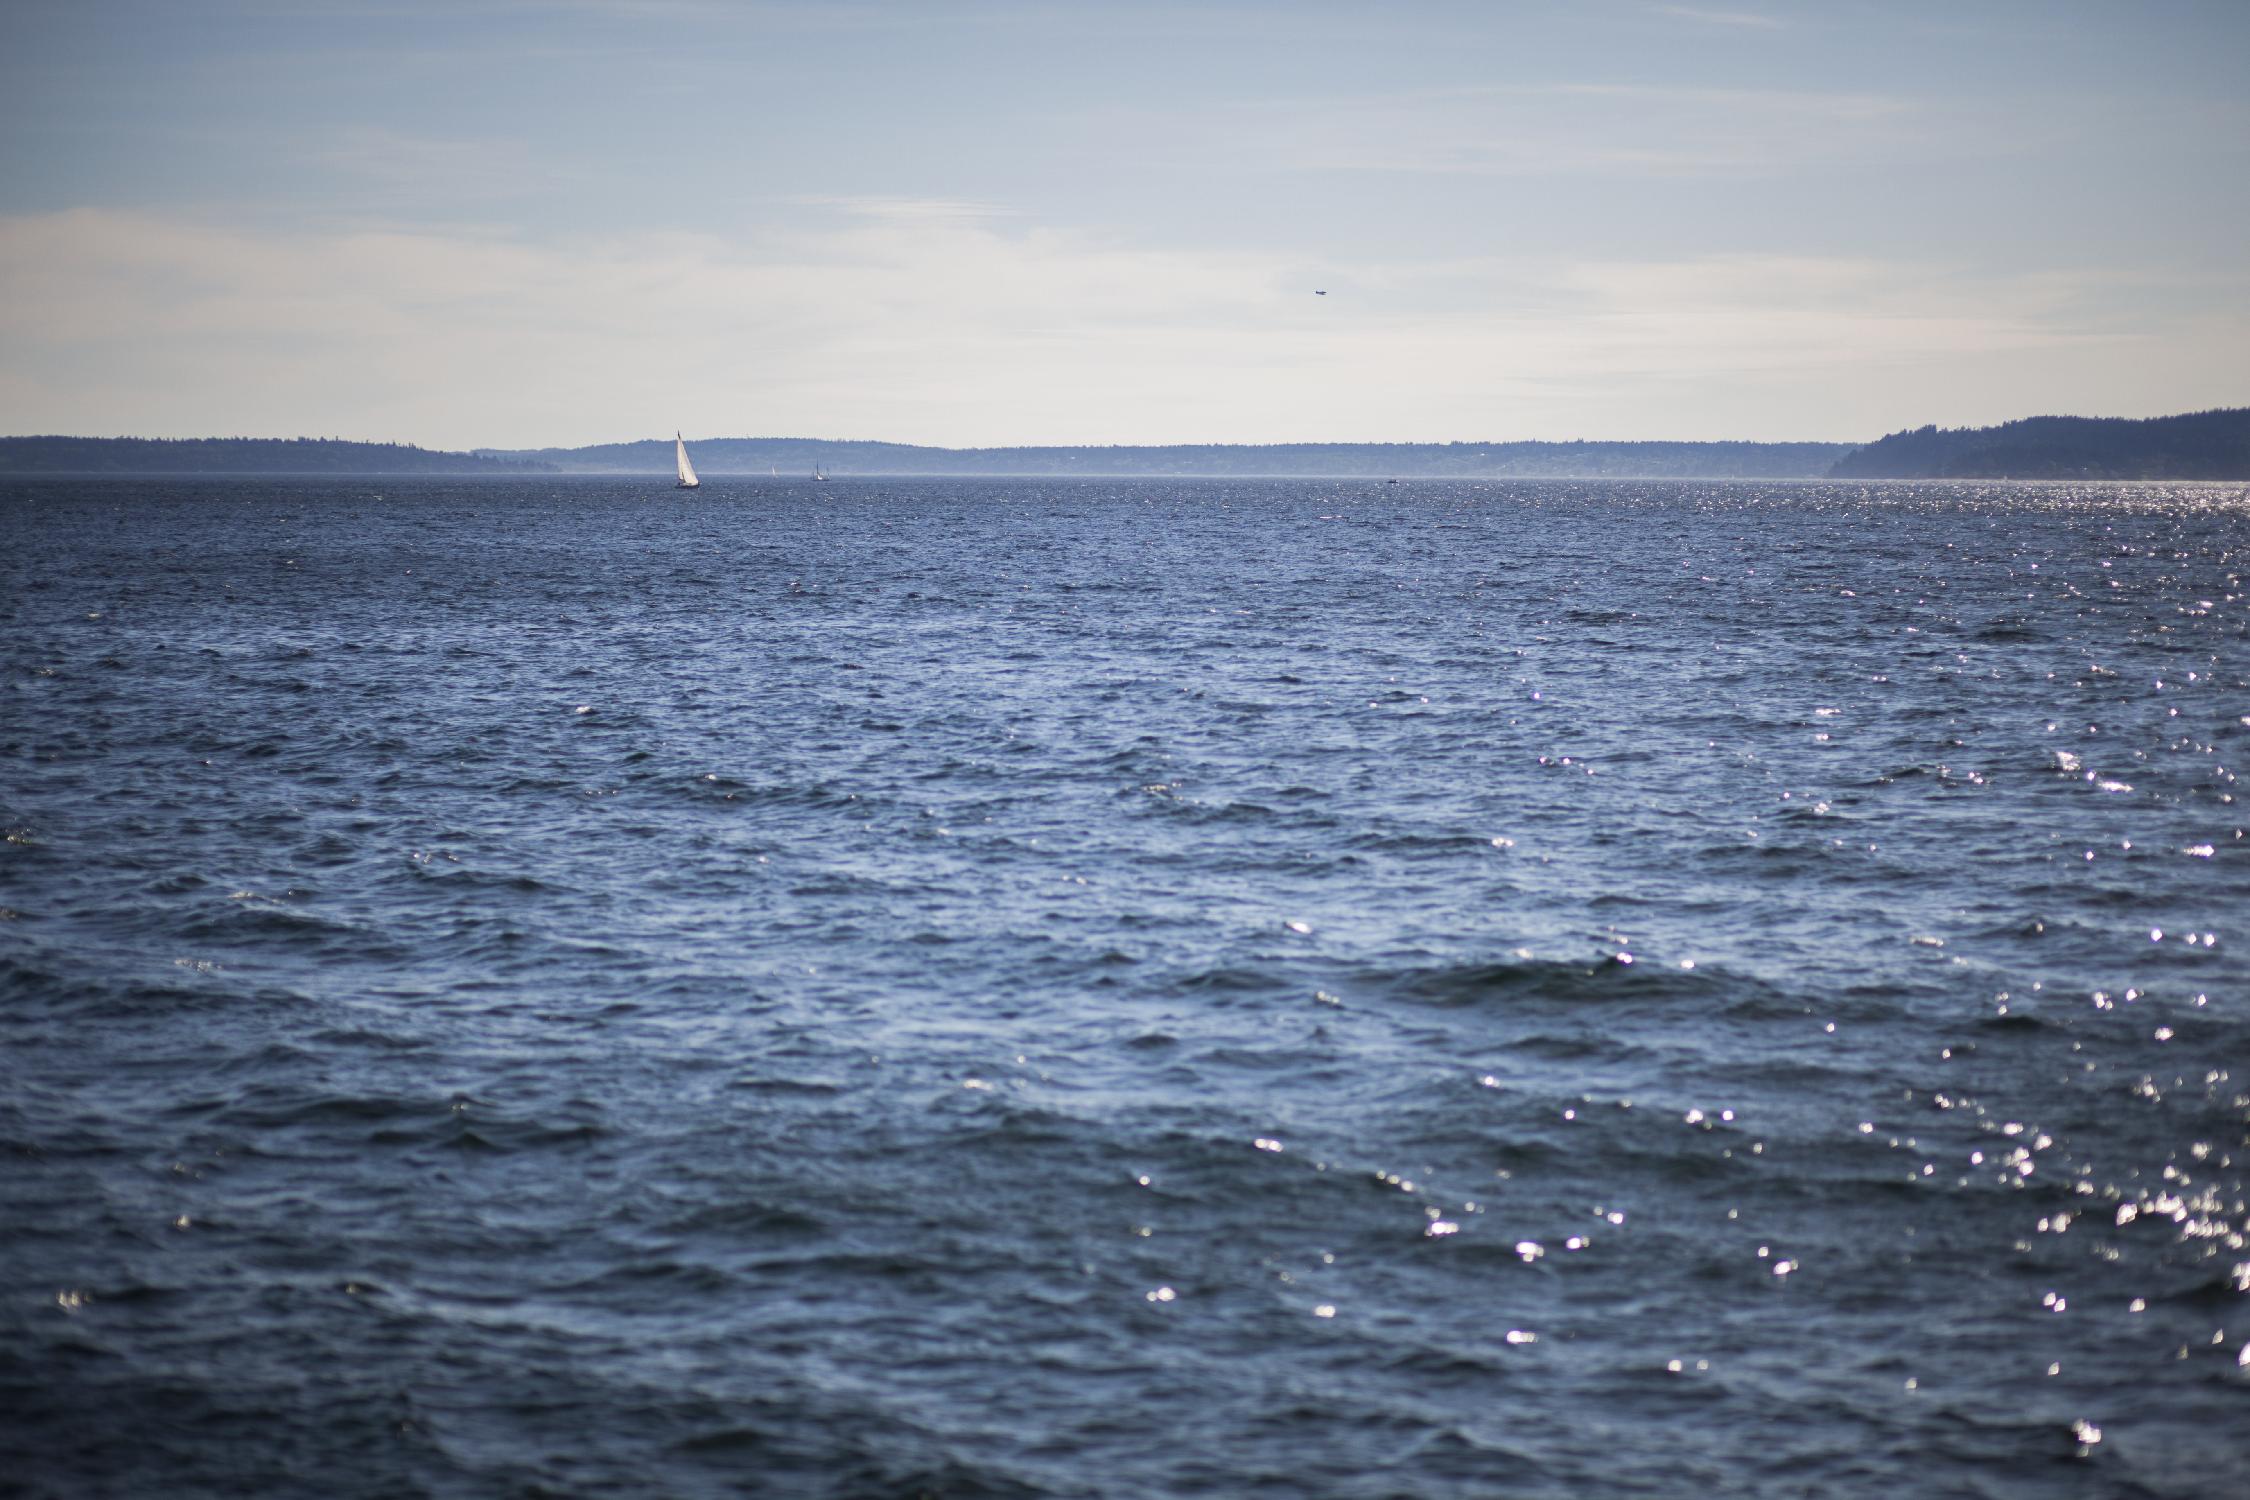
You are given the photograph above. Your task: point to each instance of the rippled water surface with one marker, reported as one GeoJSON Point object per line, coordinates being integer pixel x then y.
{"type": "Point", "coordinates": [1135, 989]}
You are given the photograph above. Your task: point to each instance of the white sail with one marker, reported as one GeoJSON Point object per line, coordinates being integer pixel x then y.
{"type": "Point", "coordinates": [688, 481]}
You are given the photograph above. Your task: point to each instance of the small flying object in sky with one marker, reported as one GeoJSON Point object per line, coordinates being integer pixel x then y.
{"type": "Point", "coordinates": [1318, 293]}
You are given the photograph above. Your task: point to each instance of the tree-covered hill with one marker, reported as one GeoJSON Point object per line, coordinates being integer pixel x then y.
{"type": "Point", "coordinates": [83, 455]}
{"type": "Point", "coordinates": [2198, 445]}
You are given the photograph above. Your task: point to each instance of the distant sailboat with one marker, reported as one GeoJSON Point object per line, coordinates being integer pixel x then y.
{"type": "Point", "coordinates": [816, 472]}
{"type": "Point", "coordinates": [688, 481]}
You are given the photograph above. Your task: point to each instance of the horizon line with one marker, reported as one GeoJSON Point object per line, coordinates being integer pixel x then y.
{"type": "Point", "coordinates": [475, 449]}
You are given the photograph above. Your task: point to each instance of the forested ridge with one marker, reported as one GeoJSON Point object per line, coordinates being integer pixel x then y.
{"type": "Point", "coordinates": [2197, 445]}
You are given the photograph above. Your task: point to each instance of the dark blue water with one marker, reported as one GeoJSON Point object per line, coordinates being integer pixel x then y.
{"type": "Point", "coordinates": [1089, 989]}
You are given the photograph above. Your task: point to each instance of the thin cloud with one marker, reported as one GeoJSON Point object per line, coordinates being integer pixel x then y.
{"type": "Point", "coordinates": [392, 161]}
{"type": "Point", "coordinates": [1568, 128]}
{"type": "Point", "coordinates": [1747, 18]}
{"type": "Point", "coordinates": [876, 206]}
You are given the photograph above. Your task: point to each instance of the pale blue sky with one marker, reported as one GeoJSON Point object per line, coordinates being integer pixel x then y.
{"type": "Point", "coordinates": [529, 223]}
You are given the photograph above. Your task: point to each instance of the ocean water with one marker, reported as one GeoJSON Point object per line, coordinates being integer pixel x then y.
{"type": "Point", "coordinates": [1136, 989]}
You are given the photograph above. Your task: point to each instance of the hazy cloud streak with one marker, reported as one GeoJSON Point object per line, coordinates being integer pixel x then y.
{"type": "Point", "coordinates": [1755, 19]}
{"type": "Point", "coordinates": [1574, 129]}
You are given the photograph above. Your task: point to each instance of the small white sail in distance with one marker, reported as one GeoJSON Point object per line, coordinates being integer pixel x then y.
{"type": "Point", "coordinates": [688, 481]}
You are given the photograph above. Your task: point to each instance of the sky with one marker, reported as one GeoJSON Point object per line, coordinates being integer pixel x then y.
{"type": "Point", "coordinates": [554, 222]}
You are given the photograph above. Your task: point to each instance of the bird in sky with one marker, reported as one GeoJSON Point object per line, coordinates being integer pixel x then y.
{"type": "Point", "coordinates": [1318, 293]}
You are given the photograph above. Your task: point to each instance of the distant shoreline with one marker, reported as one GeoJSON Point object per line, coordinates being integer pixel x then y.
{"type": "Point", "coordinates": [55, 455]}
{"type": "Point", "coordinates": [786, 457]}
{"type": "Point", "coordinates": [2211, 446]}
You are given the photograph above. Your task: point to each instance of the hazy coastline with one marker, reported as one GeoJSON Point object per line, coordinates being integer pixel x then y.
{"type": "Point", "coordinates": [2209, 445]}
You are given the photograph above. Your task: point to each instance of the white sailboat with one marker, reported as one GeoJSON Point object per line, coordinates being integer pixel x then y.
{"type": "Point", "coordinates": [688, 481]}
